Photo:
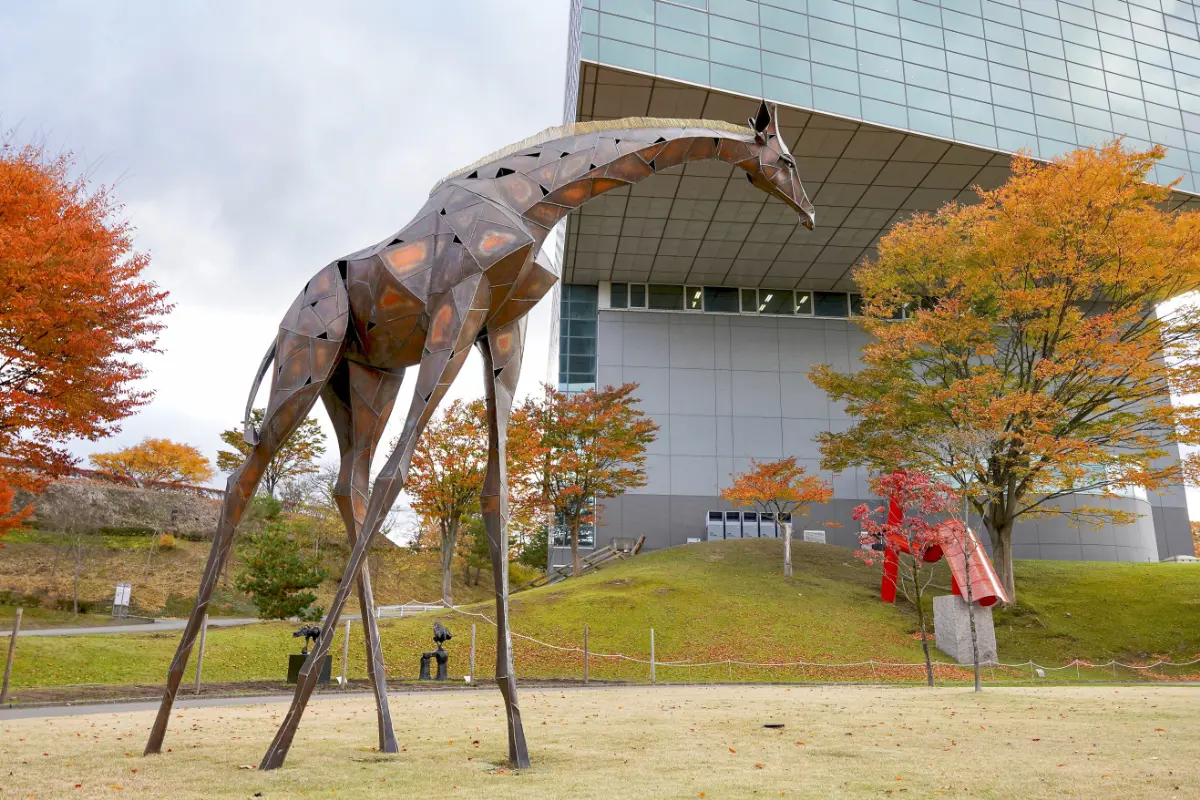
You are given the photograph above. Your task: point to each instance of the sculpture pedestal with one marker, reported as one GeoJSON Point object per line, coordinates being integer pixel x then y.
{"type": "Point", "coordinates": [296, 661]}
{"type": "Point", "coordinates": [952, 629]}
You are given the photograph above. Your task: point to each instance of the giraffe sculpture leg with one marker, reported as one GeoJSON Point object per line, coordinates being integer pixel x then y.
{"type": "Point", "coordinates": [447, 347]}
{"type": "Point", "coordinates": [359, 400]}
{"type": "Point", "coordinates": [502, 351]}
{"type": "Point", "coordinates": [308, 348]}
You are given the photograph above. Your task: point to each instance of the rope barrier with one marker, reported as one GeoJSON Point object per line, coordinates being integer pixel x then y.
{"type": "Point", "coordinates": [802, 663]}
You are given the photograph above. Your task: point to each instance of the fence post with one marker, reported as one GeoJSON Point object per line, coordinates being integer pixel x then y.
{"type": "Point", "coordinates": [1077, 678]}
{"type": "Point", "coordinates": [200, 658]}
{"type": "Point", "coordinates": [12, 650]}
{"type": "Point", "coordinates": [652, 676]}
{"type": "Point", "coordinates": [472, 652]}
{"type": "Point", "coordinates": [1114, 666]}
{"type": "Point", "coordinates": [346, 652]}
{"type": "Point", "coordinates": [1031, 671]}
{"type": "Point", "coordinates": [874, 674]}
{"type": "Point", "coordinates": [585, 653]}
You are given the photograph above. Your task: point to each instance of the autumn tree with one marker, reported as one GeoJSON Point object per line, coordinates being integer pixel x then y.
{"type": "Point", "coordinates": [594, 445]}
{"type": "Point", "coordinates": [298, 456]}
{"type": "Point", "coordinates": [157, 461]}
{"type": "Point", "coordinates": [1031, 321]}
{"type": "Point", "coordinates": [445, 480]}
{"type": "Point", "coordinates": [916, 533]}
{"type": "Point", "coordinates": [782, 489]}
{"type": "Point", "coordinates": [75, 314]}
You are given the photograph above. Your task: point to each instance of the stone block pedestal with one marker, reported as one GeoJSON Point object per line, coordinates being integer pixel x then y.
{"type": "Point", "coordinates": [952, 629]}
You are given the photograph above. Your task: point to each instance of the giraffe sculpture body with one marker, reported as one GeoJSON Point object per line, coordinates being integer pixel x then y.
{"type": "Point", "coordinates": [462, 273]}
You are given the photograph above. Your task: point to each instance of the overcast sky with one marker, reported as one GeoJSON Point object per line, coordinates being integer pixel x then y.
{"type": "Point", "coordinates": [254, 142]}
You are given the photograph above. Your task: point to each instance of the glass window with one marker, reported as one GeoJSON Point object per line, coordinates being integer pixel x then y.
{"type": "Point", "coordinates": [638, 9]}
{"type": "Point", "coordinates": [679, 42]}
{"type": "Point", "coordinates": [694, 296]}
{"type": "Point", "coordinates": [666, 298]}
{"type": "Point", "coordinates": [775, 301]}
{"type": "Point", "coordinates": [720, 298]}
{"type": "Point", "coordinates": [583, 327]}
{"type": "Point", "coordinates": [681, 18]}
{"type": "Point", "coordinates": [619, 296]}
{"type": "Point", "coordinates": [637, 295]}
{"type": "Point", "coordinates": [804, 303]}
{"type": "Point", "coordinates": [749, 300]}
{"type": "Point", "coordinates": [856, 305]}
{"type": "Point", "coordinates": [830, 304]}
{"type": "Point", "coordinates": [626, 30]}
{"type": "Point", "coordinates": [684, 68]}
{"type": "Point", "coordinates": [733, 31]}
{"type": "Point", "coordinates": [735, 55]}
{"type": "Point", "coordinates": [738, 9]}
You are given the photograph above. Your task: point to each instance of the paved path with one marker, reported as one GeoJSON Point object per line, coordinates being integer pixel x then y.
{"type": "Point", "coordinates": [149, 627]}
{"type": "Point", "coordinates": [182, 703]}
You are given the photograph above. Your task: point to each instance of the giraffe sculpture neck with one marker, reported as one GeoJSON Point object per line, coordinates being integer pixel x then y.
{"type": "Point", "coordinates": [544, 182]}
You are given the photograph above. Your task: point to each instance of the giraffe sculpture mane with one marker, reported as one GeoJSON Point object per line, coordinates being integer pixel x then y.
{"type": "Point", "coordinates": [464, 273]}
{"type": "Point", "coordinates": [596, 126]}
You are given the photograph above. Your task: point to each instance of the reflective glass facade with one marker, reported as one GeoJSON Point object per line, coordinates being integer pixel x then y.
{"type": "Point", "coordinates": [577, 337]}
{"type": "Point", "coordinates": [1043, 75]}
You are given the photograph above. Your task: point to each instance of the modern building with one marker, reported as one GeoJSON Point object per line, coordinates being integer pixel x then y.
{"type": "Point", "coordinates": [708, 294]}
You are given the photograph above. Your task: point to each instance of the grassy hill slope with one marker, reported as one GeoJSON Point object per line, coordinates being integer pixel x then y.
{"type": "Point", "coordinates": [711, 601]}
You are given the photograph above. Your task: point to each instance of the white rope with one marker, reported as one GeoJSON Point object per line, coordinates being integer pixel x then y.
{"type": "Point", "coordinates": [800, 663]}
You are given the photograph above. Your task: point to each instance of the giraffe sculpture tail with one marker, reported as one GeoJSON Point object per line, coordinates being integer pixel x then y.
{"type": "Point", "coordinates": [249, 432]}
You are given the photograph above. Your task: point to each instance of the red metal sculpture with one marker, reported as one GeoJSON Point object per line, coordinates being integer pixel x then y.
{"type": "Point", "coordinates": [960, 550]}
{"type": "Point", "coordinates": [462, 274]}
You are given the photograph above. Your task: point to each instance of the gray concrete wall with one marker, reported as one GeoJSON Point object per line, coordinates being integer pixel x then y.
{"type": "Point", "coordinates": [727, 388]}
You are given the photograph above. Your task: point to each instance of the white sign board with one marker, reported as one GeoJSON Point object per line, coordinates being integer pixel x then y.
{"type": "Point", "coordinates": [815, 536]}
{"type": "Point", "coordinates": [121, 596]}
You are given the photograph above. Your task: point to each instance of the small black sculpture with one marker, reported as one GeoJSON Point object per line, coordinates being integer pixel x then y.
{"type": "Point", "coordinates": [310, 634]}
{"type": "Point", "coordinates": [440, 635]}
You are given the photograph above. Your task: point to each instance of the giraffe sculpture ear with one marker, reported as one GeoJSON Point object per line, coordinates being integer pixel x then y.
{"type": "Point", "coordinates": [763, 122]}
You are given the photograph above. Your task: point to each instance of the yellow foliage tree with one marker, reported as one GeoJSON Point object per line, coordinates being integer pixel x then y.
{"type": "Point", "coordinates": [157, 460]}
{"type": "Point", "coordinates": [1034, 359]}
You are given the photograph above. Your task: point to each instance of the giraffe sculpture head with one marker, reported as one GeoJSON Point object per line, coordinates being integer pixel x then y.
{"type": "Point", "coordinates": [774, 170]}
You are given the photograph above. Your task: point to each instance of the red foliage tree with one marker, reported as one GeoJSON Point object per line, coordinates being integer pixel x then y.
{"type": "Point", "coordinates": [914, 534]}
{"type": "Point", "coordinates": [74, 311]}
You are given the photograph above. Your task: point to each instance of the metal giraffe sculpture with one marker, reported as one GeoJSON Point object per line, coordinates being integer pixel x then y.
{"type": "Point", "coordinates": [462, 273]}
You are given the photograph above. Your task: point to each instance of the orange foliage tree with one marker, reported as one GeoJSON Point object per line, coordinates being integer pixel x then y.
{"type": "Point", "coordinates": [157, 460]}
{"type": "Point", "coordinates": [1034, 360]}
{"type": "Point", "coordinates": [593, 444]}
{"type": "Point", "coordinates": [445, 479]}
{"type": "Point", "coordinates": [74, 313]}
{"type": "Point", "coordinates": [780, 488]}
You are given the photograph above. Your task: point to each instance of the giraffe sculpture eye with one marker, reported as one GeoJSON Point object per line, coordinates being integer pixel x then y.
{"type": "Point", "coordinates": [787, 160]}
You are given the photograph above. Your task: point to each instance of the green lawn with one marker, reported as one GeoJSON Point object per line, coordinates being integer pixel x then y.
{"type": "Point", "coordinates": [707, 602]}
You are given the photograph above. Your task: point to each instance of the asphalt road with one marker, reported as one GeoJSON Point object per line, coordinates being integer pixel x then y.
{"type": "Point", "coordinates": [149, 627]}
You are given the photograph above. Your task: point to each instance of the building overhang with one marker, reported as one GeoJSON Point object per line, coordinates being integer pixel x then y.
{"type": "Point", "coordinates": [703, 224]}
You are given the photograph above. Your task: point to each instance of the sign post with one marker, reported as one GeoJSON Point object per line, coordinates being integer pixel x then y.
{"type": "Point", "coordinates": [12, 649]}
{"type": "Point", "coordinates": [120, 607]}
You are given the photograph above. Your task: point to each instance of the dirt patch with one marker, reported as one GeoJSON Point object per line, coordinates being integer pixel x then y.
{"type": "Point", "coordinates": [619, 582]}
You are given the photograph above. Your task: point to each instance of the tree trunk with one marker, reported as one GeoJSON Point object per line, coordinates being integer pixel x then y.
{"type": "Point", "coordinates": [971, 615]}
{"type": "Point", "coordinates": [576, 569]}
{"type": "Point", "coordinates": [150, 555]}
{"type": "Point", "coordinates": [78, 569]}
{"type": "Point", "coordinates": [924, 641]}
{"type": "Point", "coordinates": [787, 549]}
{"type": "Point", "coordinates": [1002, 558]}
{"type": "Point", "coordinates": [449, 535]}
